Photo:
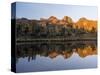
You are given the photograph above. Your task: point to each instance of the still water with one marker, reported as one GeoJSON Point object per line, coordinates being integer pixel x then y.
{"type": "Point", "coordinates": [39, 56]}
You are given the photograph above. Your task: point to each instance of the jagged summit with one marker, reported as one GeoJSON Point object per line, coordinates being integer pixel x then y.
{"type": "Point", "coordinates": [82, 23]}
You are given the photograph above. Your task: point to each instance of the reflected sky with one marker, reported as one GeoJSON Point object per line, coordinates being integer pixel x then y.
{"type": "Point", "coordinates": [59, 63]}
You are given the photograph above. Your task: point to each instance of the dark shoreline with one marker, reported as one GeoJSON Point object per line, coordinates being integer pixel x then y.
{"type": "Point", "coordinates": [54, 40]}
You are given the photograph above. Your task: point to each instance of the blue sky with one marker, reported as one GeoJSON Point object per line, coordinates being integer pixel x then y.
{"type": "Point", "coordinates": [38, 10]}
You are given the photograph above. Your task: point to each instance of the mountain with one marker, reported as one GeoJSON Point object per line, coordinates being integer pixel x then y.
{"type": "Point", "coordinates": [64, 21]}
{"type": "Point", "coordinates": [67, 19]}
{"type": "Point", "coordinates": [86, 24]}
{"type": "Point", "coordinates": [52, 20]}
{"type": "Point", "coordinates": [82, 23]}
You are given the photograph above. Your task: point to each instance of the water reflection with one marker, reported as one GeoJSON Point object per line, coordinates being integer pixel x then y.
{"type": "Point", "coordinates": [45, 51]}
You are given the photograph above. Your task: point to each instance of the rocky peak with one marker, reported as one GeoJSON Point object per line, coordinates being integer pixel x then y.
{"type": "Point", "coordinates": [67, 19]}
{"type": "Point", "coordinates": [52, 20]}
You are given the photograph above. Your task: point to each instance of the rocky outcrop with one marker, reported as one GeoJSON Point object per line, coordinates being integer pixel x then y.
{"type": "Point", "coordinates": [82, 23]}
{"type": "Point", "coordinates": [87, 25]}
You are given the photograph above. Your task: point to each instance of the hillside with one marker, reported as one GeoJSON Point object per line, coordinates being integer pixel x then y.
{"type": "Point", "coordinates": [53, 27]}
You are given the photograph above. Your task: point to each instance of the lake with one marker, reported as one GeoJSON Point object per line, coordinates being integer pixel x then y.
{"type": "Point", "coordinates": [49, 56]}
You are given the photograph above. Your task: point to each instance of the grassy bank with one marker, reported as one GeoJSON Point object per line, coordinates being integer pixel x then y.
{"type": "Point", "coordinates": [55, 39]}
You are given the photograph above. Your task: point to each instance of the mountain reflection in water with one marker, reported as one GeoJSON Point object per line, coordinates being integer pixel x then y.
{"type": "Point", "coordinates": [52, 50]}
{"type": "Point", "coordinates": [49, 56]}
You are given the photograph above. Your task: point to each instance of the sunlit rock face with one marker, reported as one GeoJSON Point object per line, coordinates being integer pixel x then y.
{"type": "Point", "coordinates": [67, 19]}
{"type": "Point", "coordinates": [88, 25]}
{"type": "Point", "coordinates": [64, 21]}
{"type": "Point", "coordinates": [52, 20]}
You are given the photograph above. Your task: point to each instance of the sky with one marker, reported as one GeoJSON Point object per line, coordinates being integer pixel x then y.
{"type": "Point", "coordinates": [38, 10]}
